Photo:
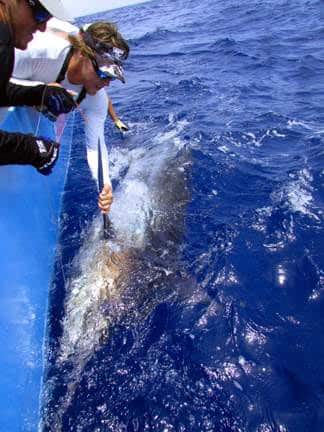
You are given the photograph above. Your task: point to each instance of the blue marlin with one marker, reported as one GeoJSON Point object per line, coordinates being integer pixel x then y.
{"type": "Point", "coordinates": [113, 276]}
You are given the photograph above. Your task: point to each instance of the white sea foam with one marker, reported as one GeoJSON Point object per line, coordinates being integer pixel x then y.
{"type": "Point", "coordinates": [298, 194]}
{"type": "Point", "coordinates": [277, 134]}
{"type": "Point", "coordinates": [293, 123]}
{"type": "Point", "coordinates": [99, 268]}
{"type": "Point", "coordinates": [227, 276]}
{"type": "Point", "coordinates": [132, 214]}
{"type": "Point", "coordinates": [172, 135]}
{"type": "Point", "coordinates": [223, 149]}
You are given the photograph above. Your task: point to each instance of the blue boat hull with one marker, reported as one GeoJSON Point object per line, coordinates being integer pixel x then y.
{"type": "Point", "coordinates": [29, 215]}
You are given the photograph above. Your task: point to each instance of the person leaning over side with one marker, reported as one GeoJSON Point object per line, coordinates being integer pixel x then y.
{"type": "Point", "coordinates": [83, 62]}
{"type": "Point", "coordinates": [19, 20]}
{"type": "Point", "coordinates": [63, 29]}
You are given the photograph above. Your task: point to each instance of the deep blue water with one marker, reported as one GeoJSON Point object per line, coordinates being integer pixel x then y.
{"type": "Point", "coordinates": [220, 326]}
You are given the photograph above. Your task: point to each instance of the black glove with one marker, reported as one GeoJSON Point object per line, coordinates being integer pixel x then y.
{"type": "Point", "coordinates": [47, 153]}
{"type": "Point", "coordinates": [58, 101]}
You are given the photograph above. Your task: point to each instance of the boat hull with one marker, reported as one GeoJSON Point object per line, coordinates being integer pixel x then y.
{"type": "Point", "coordinates": [29, 223]}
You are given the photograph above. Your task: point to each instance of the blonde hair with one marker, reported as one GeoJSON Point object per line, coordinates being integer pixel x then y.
{"type": "Point", "coordinates": [8, 8]}
{"type": "Point", "coordinates": [103, 32]}
{"type": "Point", "coordinates": [79, 45]}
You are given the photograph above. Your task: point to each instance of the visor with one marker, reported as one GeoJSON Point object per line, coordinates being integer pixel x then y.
{"type": "Point", "coordinates": [109, 53]}
{"type": "Point", "coordinates": [110, 71]}
{"type": "Point", "coordinates": [114, 55]}
{"type": "Point", "coordinates": [56, 9]}
{"type": "Point", "coordinates": [113, 71]}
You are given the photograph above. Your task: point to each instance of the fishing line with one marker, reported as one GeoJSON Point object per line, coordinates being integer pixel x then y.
{"type": "Point", "coordinates": [53, 218]}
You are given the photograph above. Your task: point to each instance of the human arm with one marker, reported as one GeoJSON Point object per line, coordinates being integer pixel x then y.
{"type": "Point", "coordinates": [53, 97]}
{"type": "Point", "coordinates": [12, 94]}
{"type": "Point", "coordinates": [17, 95]}
{"type": "Point", "coordinates": [95, 111]}
{"type": "Point", "coordinates": [18, 148]}
{"type": "Point", "coordinates": [24, 149]}
{"type": "Point", "coordinates": [57, 100]}
{"type": "Point", "coordinates": [118, 123]}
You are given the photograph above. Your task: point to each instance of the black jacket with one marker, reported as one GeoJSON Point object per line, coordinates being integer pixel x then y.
{"type": "Point", "coordinates": [15, 148]}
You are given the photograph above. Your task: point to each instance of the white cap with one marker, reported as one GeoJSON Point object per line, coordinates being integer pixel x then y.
{"type": "Point", "coordinates": [56, 9]}
{"type": "Point", "coordinates": [64, 26]}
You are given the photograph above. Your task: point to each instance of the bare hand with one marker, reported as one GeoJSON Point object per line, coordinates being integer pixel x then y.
{"type": "Point", "coordinates": [105, 199]}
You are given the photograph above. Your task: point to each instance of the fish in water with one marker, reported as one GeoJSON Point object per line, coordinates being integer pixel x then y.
{"type": "Point", "coordinates": [112, 278]}
{"type": "Point", "coordinates": [148, 220]}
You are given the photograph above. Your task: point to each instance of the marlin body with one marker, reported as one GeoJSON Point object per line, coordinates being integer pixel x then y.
{"type": "Point", "coordinates": [112, 278]}
{"type": "Point", "coordinates": [148, 220]}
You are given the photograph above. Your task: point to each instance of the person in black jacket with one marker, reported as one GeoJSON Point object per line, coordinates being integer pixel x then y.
{"type": "Point", "coordinates": [19, 20]}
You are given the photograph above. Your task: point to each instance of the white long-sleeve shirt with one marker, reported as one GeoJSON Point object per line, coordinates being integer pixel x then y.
{"type": "Point", "coordinates": [41, 63]}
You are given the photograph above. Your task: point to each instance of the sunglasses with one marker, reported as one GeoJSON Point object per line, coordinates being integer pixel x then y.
{"type": "Point", "coordinates": [40, 14]}
{"type": "Point", "coordinates": [104, 75]}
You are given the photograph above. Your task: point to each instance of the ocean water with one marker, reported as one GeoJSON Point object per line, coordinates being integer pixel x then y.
{"type": "Point", "coordinates": [205, 309]}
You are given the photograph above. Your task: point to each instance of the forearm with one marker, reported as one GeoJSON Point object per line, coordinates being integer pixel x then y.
{"type": "Point", "coordinates": [112, 112]}
{"type": "Point", "coordinates": [92, 157]}
{"type": "Point", "coordinates": [105, 164]}
{"type": "Point", "coordinates": [16, 95]}
{"type": "Point", "coordinates": [117, 121]}
{"type": "Point", "coordinates": [16, 148]}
